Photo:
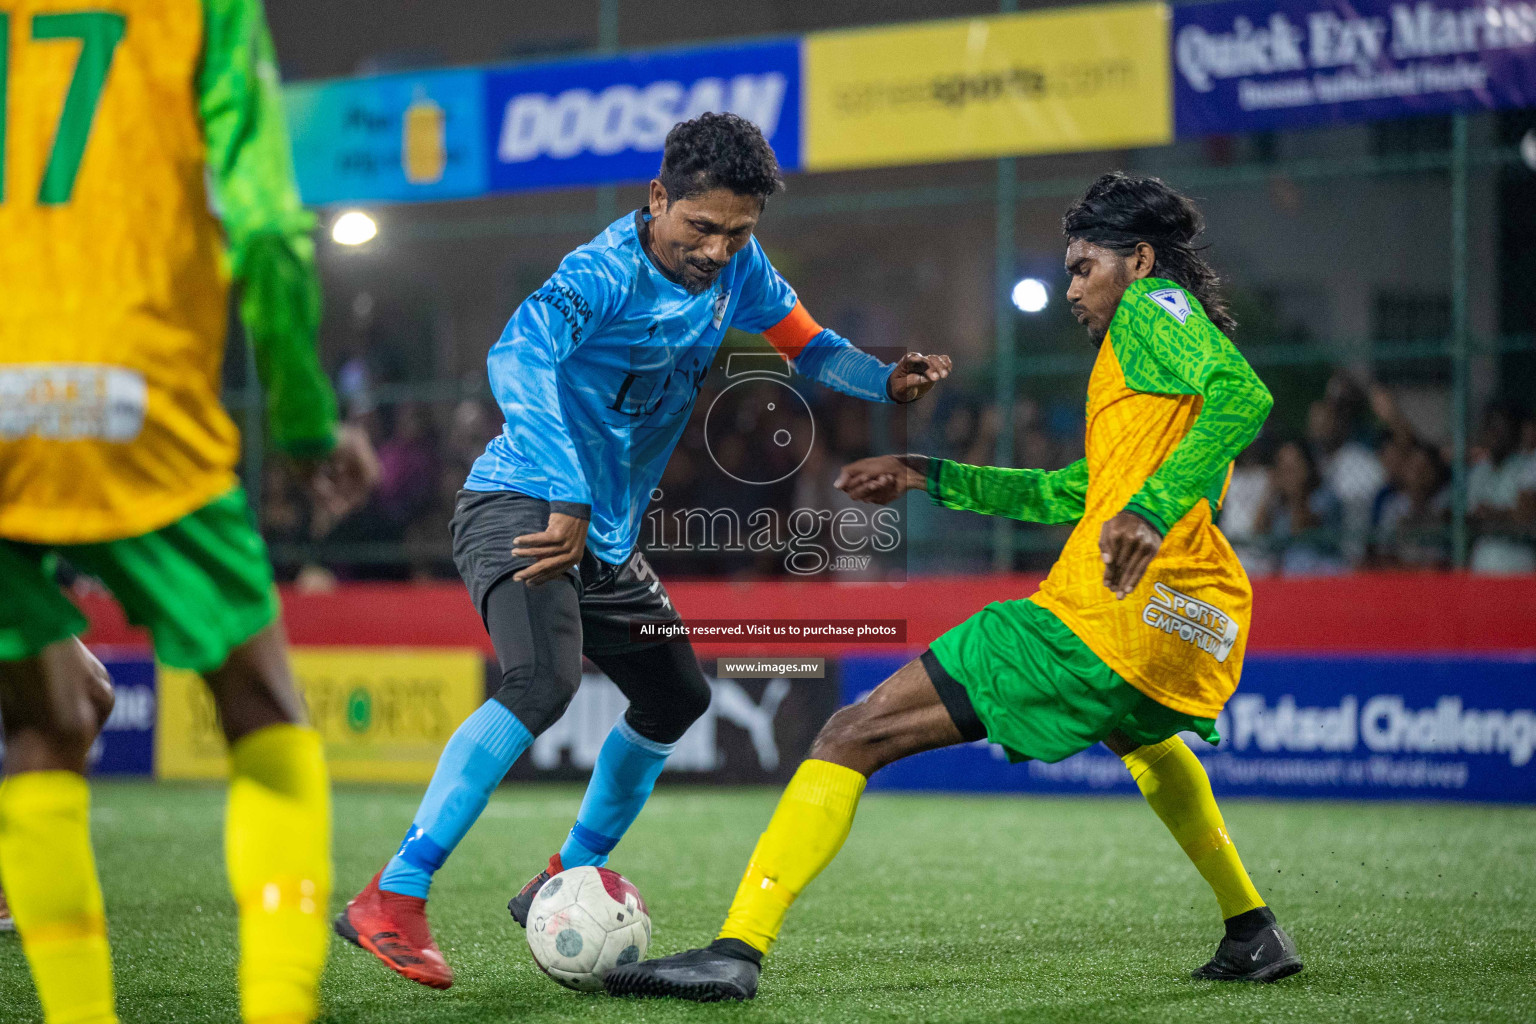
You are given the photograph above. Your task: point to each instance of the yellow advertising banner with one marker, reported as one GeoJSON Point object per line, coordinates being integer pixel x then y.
{"type": "Point", "coordinates": [1044, 81]}
{"type": "Point", "coordinates": [384, 712]}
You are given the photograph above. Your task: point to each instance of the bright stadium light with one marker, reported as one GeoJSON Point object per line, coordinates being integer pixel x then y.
{"type": "Point", "coordinates": [353, 228]}
{"type": "Point", "coordinates": [1030, 295]}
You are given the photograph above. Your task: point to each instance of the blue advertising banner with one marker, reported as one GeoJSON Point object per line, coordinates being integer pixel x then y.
{"type": "Point", "coordinates": [1256, 65]}
{"type": "Point", "coordinates": [406, 136]}
{"type": "Point", "coordinates": [127, 742]}
{"type": "Point", "coordinates": [1436, 728]}
{"type": "Point", "coordinates": [597, 121]}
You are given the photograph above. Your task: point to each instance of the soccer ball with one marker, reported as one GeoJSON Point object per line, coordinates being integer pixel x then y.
{"type": "Point", "coordinates": [584, 922]}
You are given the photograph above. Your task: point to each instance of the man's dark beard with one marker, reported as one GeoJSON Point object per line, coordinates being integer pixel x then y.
{"type": "Point", "coordinates": [698, 286]}
{"type": "Point", "coordinates": [1095, 338]}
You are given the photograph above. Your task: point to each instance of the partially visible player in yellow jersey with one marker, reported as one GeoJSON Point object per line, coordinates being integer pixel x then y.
{"type": "Point", "coordinates": [1136, 636]}
{"type": "Point", "coordinates": [144, 164]}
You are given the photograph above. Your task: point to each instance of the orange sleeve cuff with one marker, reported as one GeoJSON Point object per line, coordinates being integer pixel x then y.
{"type": "Point", "coordinates": [794, 332]}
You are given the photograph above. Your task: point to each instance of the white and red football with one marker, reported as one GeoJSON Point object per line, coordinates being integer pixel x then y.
{"type": "Point", "coordinates": [584, 922]}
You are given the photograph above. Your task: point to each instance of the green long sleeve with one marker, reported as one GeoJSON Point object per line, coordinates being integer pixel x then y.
{"type": "Point", "coordinates": [1167, 345]}
{"type": "Point", "coordinates": [273, 257]}
{"type": "Point", "coordinates": [1031, 495]}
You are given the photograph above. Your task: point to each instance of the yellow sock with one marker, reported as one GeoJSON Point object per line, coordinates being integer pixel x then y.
{"type": "Point", "coordinates": [1175, 784]}
{"type": "Point", "coordinates": [50, 880]}
{"type": "Point", "coordinates": [804, 834]}
{"type": "Point", "coordinates": [277, 843]}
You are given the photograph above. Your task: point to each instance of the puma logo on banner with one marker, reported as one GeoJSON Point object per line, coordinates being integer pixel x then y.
{"type": "Point", "coordinates": [580, 732]}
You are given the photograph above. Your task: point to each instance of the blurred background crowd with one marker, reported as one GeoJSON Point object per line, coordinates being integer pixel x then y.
{"type": "Point", "coordinates": [1359, 485]}
{"type": "Point", "coordinates": [1380, 275]}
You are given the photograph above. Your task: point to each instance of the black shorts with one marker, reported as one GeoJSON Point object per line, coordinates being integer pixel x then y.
{"type": "Point", "coordinates": [612, 597]}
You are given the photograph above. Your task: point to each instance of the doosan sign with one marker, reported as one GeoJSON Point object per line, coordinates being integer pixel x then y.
{"type": "Point", "coordinates": [1259, 65]}
{"type": "Point", "coordinates": [625, 117]}
{"type": "Point", "coordinates": [577, 123]}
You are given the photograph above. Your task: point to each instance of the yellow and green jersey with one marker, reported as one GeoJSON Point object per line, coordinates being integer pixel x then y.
{"type": "Point", "coordinates": [143, 161]}
{"type": "Point", "coordinates": [1171, 402]}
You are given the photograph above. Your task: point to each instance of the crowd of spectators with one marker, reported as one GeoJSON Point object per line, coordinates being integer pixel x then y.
{"type": "Point", "coordinates": [1362, 488]}
{"type": "Point", "coordinates": [1359, 487]}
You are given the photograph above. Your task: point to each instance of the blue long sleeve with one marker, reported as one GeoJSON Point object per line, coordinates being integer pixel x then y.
{"type": "Point", "coordinates": [834, 361]}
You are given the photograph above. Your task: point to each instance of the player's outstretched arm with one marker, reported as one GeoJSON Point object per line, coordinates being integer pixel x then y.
{"type": "Point", "coordinates": [768, 306]}
{"type": "Point", "coordinates": [831, 359]}
{"type": "Point", "coordinates": [1029, 495]}
{"type": "Point", "coordinates": [915, 374]}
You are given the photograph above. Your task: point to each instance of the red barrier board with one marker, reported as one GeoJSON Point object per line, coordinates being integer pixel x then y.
{"type": "Point", "coordinates": [1365, 612]}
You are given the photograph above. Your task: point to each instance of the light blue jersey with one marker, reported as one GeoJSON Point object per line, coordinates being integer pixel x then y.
{"type": "Point", "coordinates": [597, 372]}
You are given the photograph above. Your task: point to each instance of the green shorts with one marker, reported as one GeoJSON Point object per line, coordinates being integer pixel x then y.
{"type": "Point", "coordinates": [201, 586]}
{"type": "Point", "coordinates": [1014, 674]}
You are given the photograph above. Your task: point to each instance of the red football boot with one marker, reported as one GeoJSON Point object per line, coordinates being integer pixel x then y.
{"type": "Point", "coordinates": [7, 922]}
{"type": "Point", "coordinates": [520, 903]}
{"type": "Point", "coordinates": [394, 928]}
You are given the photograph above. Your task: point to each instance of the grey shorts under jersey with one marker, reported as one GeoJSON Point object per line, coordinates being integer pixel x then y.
{"type": "Point", "coordinates": [612, 597]}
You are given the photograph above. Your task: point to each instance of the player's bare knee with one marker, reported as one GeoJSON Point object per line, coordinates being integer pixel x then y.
{"type": "Point", "coordinates": [849, 736]}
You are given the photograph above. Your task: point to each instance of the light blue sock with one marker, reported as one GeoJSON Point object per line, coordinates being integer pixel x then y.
{"type": "Point", "coordinates": [622, 780]}
{"type": "Point", "coordinates": [471, 766]}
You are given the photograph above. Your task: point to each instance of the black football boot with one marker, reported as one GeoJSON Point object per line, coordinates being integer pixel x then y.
{"type": "Point", "coordinates": [725, 969]}
{"type": "Point", "coordinates": [1255, 949]}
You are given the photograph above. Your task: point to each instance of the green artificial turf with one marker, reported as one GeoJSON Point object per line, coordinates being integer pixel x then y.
{"type": "Point", "coordinates": [940, 908]}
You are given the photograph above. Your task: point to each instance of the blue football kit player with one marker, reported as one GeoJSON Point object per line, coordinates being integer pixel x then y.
{"type": "Point", "coordinates": [596, 374]}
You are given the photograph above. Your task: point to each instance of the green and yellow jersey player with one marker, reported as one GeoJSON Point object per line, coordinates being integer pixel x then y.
{"type": "Point", "coordinates": [1136, 636]}
{"type": "Point", "coordinates": [143, 164]}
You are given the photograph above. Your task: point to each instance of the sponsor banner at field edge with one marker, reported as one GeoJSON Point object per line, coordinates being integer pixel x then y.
{"type": "Point", "coordinates": [1436, 728]}
{"type": "Point", "coordinates": [586, 122]}
{"type": "Point", "coordinates": [393, 137]}
{"type": "Point", "coordinates": [1040, 82]}
{"type": "Point", "coordinates": [754, 731]}
{"type": "Point", "coordinates": [1371, 727]}
{"type": "Point", "coordinates": [1256, 65]}
{"type": "Point", "coordinates": [384, 713]}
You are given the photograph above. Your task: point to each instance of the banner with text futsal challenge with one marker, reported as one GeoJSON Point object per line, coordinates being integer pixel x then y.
{"type": "Point", "coordinates": [1041, 82]}
{"type": "Point", "coordinates": [1257, 65]}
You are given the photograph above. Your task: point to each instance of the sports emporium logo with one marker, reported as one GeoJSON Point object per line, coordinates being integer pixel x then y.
{"type": "Point", "coordinates": [1192, 621]}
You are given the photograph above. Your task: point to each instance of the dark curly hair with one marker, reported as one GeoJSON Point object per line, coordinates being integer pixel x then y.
{"type": "Point", "coordinates": [1120, 210]}
{"type": "Point", "coordinates": [718, 151]}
